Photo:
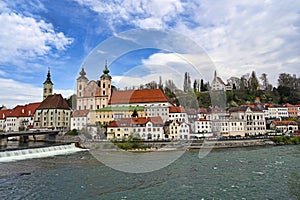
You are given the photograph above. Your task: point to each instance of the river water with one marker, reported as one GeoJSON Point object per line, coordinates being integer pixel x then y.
{"type": "Point", "coordinates": [248, 173]}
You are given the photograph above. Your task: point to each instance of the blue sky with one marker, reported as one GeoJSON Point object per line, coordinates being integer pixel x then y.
{"type": "Point", "coordinates": [237, 37]}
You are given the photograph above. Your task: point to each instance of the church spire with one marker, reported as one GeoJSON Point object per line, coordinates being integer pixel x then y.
{"type": "Point", "coordinates": [105, 71]}
{"type": "Point", "coordinates": [48, 79]}
{"type": "Point", "coordinates": [82, 73]}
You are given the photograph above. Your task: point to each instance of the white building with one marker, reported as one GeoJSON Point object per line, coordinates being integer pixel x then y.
{"type": "Point", "coordinates": [178, 113]}
{"type": "Point", "coordinates": [80, 119]}
{"type": "Point", "coordinates": [19, 118]}
{"type": "Point", "coordinates": [285, 127]}
{"type": "Point", "coordinates": [147, 128]}
{"type": "Point", "coordinates": [252, 118]}
{"type": "Point", "coordinates": [278, 112]}
{"type": "Point", "coordinates": [184, 131]}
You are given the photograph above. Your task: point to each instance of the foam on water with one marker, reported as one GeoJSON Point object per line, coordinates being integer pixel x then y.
{"type": "Point", "coordinates": [10, 156]}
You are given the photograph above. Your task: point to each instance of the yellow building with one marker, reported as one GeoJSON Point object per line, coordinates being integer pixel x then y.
{"type": "Point", "coordinates": [108, 114]}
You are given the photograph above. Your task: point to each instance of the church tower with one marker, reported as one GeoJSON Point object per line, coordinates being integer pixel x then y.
{"type": "Point", "coordinates": [105, 86]}
{"type": "Point", "coordinates": [48, 86]}
{"type": "Point", "coordinates": [82, 83]}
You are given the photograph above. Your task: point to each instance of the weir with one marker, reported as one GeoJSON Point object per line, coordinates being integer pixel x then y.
{"type": "Point", "coordinates": [38, 152]}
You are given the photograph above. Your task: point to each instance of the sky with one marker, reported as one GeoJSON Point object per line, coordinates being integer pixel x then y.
{"type": "Point", "coordinates": [142, 40]}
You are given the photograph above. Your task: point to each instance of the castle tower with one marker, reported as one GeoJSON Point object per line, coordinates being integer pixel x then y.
{"type": "Point", "coordinates": [105, 86]}
{"type": "Point", "coordinates": [48, 86]}
{"type": "Point", "coordinates": [82, 82]}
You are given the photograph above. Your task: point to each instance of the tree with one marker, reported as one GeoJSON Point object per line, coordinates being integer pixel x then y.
{"type": "Point", "coordinates": [265, 81]}
{"type": "Point", "coordinates": [253, 82]}
{"type": "Point", "coordinates": [287, 80]}
{"type": "Point", "coordinates": [196, 86]}
{"type": "Point", "coordinates": [160, 84]}
{"type": "Point", "coordinates": [187, 82]}
{"type": "Point", "coordinates": [134, 113]}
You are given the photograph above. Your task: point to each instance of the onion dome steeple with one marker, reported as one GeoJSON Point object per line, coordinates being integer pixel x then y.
{"type": "Point", "coordinates": [82, 73]}
{"type": "Point", "coordinates": [105, 71]}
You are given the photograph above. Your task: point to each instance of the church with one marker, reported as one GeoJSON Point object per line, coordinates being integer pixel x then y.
{"type": "Point", "coordinates": [92, 95]}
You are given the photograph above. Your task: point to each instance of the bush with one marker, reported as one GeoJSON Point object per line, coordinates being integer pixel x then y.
{"type": "Point", "coordinates": [72, 132]}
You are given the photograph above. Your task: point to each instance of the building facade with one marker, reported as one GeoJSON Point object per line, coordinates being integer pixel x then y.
{"type": "Point", "coordinates": [92, 95]}
{"type": "Point", "coordinates": [53, 113]}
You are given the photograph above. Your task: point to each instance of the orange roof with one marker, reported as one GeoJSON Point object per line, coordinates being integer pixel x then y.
{"type": "Point", "coordinates": [176, 109]}
{"type": "Point", "coordinates": [55, 101]}
{"type": "Point", "coordinates": [21, 111]}
{"type": "Point", "coordinates": [138, 96]}
{"type": "Point", "coordinates": [80, 113]}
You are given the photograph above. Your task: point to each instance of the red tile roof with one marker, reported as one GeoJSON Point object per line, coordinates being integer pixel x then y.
{"type": "Point", "coordinates": [20, 111]}
{"type": "Point", "coordinates": [285, 123]}
{"type": "Point", "coordinates": [138, 96]}
{"type": "Point", "coordinates": [80, 113]}
{"type": "Point", "coordinates": [4, 113]}
{"type": "Point", "coordinates": [55, 101]}
{"type": "Point", "coordinates": [176, 109]}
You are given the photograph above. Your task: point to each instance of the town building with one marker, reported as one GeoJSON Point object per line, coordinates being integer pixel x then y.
{"type": "Point", "coordinates": [171, 129]}
{"type": "Point", "coordinates": [292, 110]}
{"type": "Point", "coordinates": [107, 114]}
{"type": "Point", "coordinates": [146, 128]}
{"type": "Point", "coordinates": [19, 118]}
{"type": "Point", "coordinates": [277, 111]}
{"type": "Point", "coordinates": [154, 101]}
{"type": "Point", "coordinates": [178, 113]}
{"type": "Point", "coordinates": [217, 84]}
{"type": "Point", "coordinates": [80, 119]}
{"type": "Point", "coordinates": [53, 113]}
{"type": "Point", "coordinates": [184, 131]}
{"type": "Point", "coordinates": [253, 118]}
{"type": "Point", "coordinates": [284, 127]}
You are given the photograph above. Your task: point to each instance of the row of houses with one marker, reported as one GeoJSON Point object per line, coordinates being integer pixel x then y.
{"type": "Point", "coordinates": [146, 112]}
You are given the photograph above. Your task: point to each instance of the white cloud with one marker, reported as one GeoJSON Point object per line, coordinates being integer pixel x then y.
{"type": "Point", "coordinates": [170, 66]}
{"type": "Point", "coordinates": [24, 38]}
{"type": "Point", "coordinates": [16, 93]}
{"type": "Point", "coordinates": [142, 14]}
{"type": "Point", "coordinates": [239, 36]}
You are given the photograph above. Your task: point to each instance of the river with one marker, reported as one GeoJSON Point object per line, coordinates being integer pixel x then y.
{"type": "Point", "coordinates": [237, 173]}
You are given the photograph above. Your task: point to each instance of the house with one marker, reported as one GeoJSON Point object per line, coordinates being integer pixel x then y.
{"type": "Point", "coordinates": [171, 129]}
{"type": "Point", "coordinates": [277, 111]}
{"type": "Point", "coordinates": [292, 110]}
{"type": "Point", "coordinates": [53, 113]}
{"type": "Point", "coordinates": [252, 117]}
{"type": "Point", "coordinates": [217, 84]}
{"type": "Point", "coordinates": [80, 119]}
{"type": "Point", "coordinates": [108, 114]}
{"type": "Point", "coordinates": [19, 118]}
{"type": "Point", "coordinates": [184, 131]}
{"type": "Point", "coordinates": [178, 113]}
{"type": "Point", "coordinates": [146, 128]}
{"type": "Point", "coordinates": [285, 127]}
{"type": "Point", "coordinates": [202, 128]}
{"type": "Point", "coordinates": [154, 101]}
